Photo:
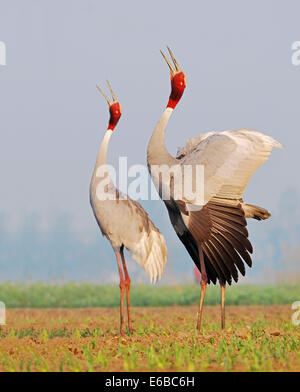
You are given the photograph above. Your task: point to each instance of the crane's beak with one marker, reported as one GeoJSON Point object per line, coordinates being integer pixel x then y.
{"type": "Point", "coordinates": [173, 69]}
{"type": "Point", "coordinates": [105, 96]}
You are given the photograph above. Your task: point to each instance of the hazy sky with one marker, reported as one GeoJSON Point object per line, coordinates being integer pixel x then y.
{"type": "Point", "coordinates": [237, 57]}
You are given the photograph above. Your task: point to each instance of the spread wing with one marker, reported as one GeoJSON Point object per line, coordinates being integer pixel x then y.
{"type": "Point", "coordinates": [229, 159]}
{"type": "Point", "coordinates": [219, 228]}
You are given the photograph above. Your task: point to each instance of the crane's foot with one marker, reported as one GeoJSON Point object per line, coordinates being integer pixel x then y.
{"type": "Point", "coordinates": [129, 331]}
{"type": "Point", "coordinates": [122, 329]}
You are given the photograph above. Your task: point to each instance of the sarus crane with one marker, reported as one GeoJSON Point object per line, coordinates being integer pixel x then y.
{"type": "Point", "coordinates": [123, 221]}
{"type": "Point", "coordinates": [214, 233]}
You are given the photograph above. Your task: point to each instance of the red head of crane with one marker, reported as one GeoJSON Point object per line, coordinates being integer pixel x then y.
{"type": "Point", "coordinates": [178, 82]}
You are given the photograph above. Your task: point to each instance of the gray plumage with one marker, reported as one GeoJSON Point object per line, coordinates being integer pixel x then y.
{"type": "Point", "coordinates": [124, 222]}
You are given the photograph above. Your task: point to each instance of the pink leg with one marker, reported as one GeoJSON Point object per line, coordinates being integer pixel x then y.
{"type": "Point", "coordinates": [203, 288]}
{"type": "Point", "coordinates": [127, 286]}
{"type": "Point", "coordinates": [223, 305]}
{"type": "Point", "coordinates": [122, 287]}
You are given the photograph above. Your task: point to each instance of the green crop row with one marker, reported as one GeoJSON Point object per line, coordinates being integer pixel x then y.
{"type": "Point", "coordinates": [72, 295]}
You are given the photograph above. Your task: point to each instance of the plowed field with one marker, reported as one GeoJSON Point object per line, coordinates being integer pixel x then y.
{"type": "Point", "coordinates": [257, 338]}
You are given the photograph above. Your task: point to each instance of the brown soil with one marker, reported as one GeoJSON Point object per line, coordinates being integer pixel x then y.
{"type": "Point", "coordinates": [27, 343]}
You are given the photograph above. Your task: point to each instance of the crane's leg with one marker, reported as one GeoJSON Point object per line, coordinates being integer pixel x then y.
{"type": "Point", "coordinates": [127, 286]}
{"type": "Point", "coordinates": [122, 287]}
{"type": "Point", "coordinates": [223, 285]}
{"type": "Point", "coordinates": [203, 287]}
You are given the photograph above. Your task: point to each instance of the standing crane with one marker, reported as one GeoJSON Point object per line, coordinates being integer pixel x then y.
{"type": "Point", "coordinates": [123, 221]}
{"type": "Point", "coordinates": [214, 230]}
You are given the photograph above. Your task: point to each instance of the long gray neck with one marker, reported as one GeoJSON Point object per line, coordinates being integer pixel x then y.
{"type": "Point", "coordinates": [157, 153]}
{"type": "Point", "coordinates": [102, 154]}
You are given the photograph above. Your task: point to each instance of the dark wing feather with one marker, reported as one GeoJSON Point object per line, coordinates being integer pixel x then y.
{"type": "Point", "coordinates": [219, 228]}
{"type": "Point", "coordinates": [230, 251]}
{"type": "Point", "coordinates": [188, 240]}
{"type": "Point", "coordinates": [219, 270]}
{"type": "Point", "coordinates": [223, 255]}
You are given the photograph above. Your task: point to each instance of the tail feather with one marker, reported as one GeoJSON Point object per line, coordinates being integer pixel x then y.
{"type": "Point", "coordinates": [150, 252]}
{"type": "Point", "coordinates": [255, 212]}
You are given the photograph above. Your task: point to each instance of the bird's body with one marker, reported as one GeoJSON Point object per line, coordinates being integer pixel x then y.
{"type": "Point", "coordinates": [123, 221]}
{"type": "Point", "coordinates": [212, 227]}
